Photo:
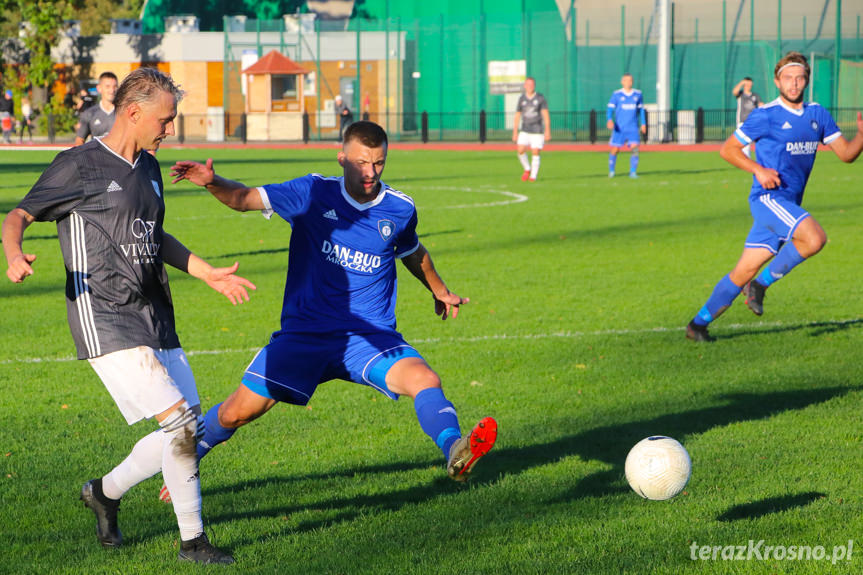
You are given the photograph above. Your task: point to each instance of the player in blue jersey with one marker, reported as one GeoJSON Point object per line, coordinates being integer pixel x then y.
{"type": "Point", "coordinates": [788, 132]}
{"type": "Point", "coordinates": [338, 316]}
{"type": "Point", "coordinates": [625, 118]}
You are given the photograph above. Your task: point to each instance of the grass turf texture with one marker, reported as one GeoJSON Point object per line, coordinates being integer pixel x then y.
{"type": "Point", "coordinates": [573, 340]}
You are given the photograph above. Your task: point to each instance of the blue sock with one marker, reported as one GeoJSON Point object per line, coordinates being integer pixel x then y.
{"type": "Point", "coordinates": [721, 298]}
{"type": "Point", "coordinates": [785, 261]}
{"type": "Point", "coordinates": [633, 163]}
{"type": "Point", "coordinates": [612, 161]}
{"type": "Point", "coordinates": [214, 433]}
{"type": "Point", "coordinates": [437, 418]}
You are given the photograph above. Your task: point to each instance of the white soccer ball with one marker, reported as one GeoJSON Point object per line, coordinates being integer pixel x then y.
{"type": "Point", "coordinates": [658, 467]}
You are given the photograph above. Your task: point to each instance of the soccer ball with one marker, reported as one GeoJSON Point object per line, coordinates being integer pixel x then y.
{"type": "Point", "coordinates": [658, 467]}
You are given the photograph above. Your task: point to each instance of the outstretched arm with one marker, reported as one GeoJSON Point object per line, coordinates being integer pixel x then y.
{"type": "Point", "coordinates": [223, 280]}
{"type": "Point", "coordinates": [732, 152]}
{"type": "Point", "coordinates": [233, 194]}
{"type": "Point", "coordinates": [420, 265]}
{"type": "Point", "coordinates": [849, 151]}
{"type": "Point", "coordinates": [13, 235]}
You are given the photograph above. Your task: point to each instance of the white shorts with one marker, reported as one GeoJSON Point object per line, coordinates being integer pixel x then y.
{"type": "Point", "coordinates": [144, 381]}
{"type": "Point", "coordinates": [533, 141]}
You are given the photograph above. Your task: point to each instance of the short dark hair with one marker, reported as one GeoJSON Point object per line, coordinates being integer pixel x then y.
{"type": "Point", "coordinates": [109, 75]}
{"type": "Point", "coordinates": [367, 133]}
{"type": "Point", "coordinates": [142, 85]}
{"type": "Point", "coordinates": [747, 78]}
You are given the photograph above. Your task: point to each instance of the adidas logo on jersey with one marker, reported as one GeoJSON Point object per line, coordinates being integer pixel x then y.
{"type": "Point", "coordinates": [331, 215]}
{"type": "Point", "coordinates": [786, 126]}
{"type": "Point", "coordinates": [114, 187]}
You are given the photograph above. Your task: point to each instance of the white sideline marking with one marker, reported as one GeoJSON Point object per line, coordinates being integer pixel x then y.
{"type": "Point", "coordinates": [503, 336]}
{"type": "Point", "coordinates": [514, 199]}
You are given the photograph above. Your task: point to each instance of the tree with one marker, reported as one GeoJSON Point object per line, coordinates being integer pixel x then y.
{"type": "Point", "coordinates": [44, 20]}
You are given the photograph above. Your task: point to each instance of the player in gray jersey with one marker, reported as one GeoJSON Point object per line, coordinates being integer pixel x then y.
{"type": "Point", "coordinates": [107, 199]}
{"type": "Point", "coordinates": [747, 100]}
{"type": "Point", "coordinates": [97, 120]}
{"type": "Point", "coordinates": [531, 114]}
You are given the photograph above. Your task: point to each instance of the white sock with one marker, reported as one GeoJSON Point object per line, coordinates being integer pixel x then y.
{"type": "Point", "coordinates": [523, 159]}
{"type": "Point", "coordinates": [143, 462]}
{"type": "Point", "coordinates": [180, 471]}
{"type": "Point", "coordinates": [534, 166]}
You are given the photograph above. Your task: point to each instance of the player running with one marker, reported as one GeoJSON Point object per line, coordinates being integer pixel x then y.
{"type": "Point", "coordinates": [338, 316]}
{"type": "Point", "coordinates": [788, 132]}
{"type": "Point", "coordinates": [107, 199]}
{"type": "Point", "coordinates": [531, 113]}
{"type": "Point", "coordinates": [626, 119]}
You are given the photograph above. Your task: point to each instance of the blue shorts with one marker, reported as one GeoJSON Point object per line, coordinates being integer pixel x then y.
{"type": "Point", "coordinates": [292, 365]}
{"type": "Point", "coordinates": [774, 221]}
{"type": "Point", "coordinates": [620, 138]}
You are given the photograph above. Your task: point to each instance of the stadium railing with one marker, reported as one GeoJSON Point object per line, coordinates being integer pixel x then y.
{"type": "Point", "coordinates": [675, 126]}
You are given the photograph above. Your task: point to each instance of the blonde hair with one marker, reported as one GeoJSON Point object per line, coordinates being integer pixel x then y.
{"type": "Point", "coordinates": [143, 85]}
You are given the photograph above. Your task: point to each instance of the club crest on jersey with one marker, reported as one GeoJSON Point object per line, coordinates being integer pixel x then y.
{"type": "Point", "coordinates": [386, 228]}
{"type": "Point", "coordinates": [814, 125]}
{"type": "Point", "coordinates": [156, 188]}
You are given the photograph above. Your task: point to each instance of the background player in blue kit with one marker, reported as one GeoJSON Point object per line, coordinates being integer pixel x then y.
{"type": "Point", "coordinates": [788, 132]}
{"type": "Point", "coordinates": [338, 315]}
{"type": "Point", "coordinates": [625, 117]}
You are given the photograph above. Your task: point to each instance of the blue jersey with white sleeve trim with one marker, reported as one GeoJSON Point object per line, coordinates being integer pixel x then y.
{"type": "Point", "coordinates": [626, 110]}
{"type": "Point", "coordinates": [341, 271]}
{"type": "Point", "coordinates": [787, 141]}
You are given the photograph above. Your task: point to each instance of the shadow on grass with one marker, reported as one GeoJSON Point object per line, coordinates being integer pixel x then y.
{"type": "Point", "coordinates": [818, 328]}
{"type": "Point", "coordinates": [671, 227]}
{"type": "Point", "coordinates": [611, 443]}
{"type": "Point", "coordinates": [608, 444]}
{"type": "Point", "coordinates": [770, 505]}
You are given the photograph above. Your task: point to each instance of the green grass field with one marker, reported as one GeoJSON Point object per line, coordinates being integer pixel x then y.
{"type": "Point", "coordinates": [573, 341]}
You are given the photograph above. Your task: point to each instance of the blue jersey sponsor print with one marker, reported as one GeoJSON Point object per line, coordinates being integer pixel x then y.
{"type": "Point", "coordinates": [787, 141]}
{"type": "Point", "coordinates": [341, 273]}
{"type": "Point", "coordinates": [626, 110]}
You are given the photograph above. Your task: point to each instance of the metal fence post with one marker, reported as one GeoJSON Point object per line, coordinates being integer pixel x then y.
{"type": "Point", "coordinates": [593, 126]}
{"type": "Point", "coordinates": [482, 126]}
{"type": "Point", "coordinates": [51, 133]}
{"type": "Point", "coordinates": [425, 127]}
{"type": "Point", "coordinates": [181, 129]}
{"type": "Point", "coordinates": [699, 125]}
{"type": "Point", "coordinates": [243, 130]}
{"type": "Point", "coordinates": [306, 127]}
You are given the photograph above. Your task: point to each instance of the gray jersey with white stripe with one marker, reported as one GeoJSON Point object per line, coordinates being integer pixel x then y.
{"type": "Point", "coordinates": [109, 216]}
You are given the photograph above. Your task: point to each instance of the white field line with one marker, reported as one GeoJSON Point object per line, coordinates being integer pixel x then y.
{"type": "Point", "coordinates": [514, 198]}
{"type": "Point", "coordinates": [503, 336]}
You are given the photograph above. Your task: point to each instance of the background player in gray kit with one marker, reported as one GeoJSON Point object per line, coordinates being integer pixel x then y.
{"type": "Point", "coordinates": [531, 113]}
{"type": "Point", "coordinates": [107, 199]}
{"type": "Point", "coordinates": [98, 119]}
{"type": "Point", "coordinates": [747, 100]}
